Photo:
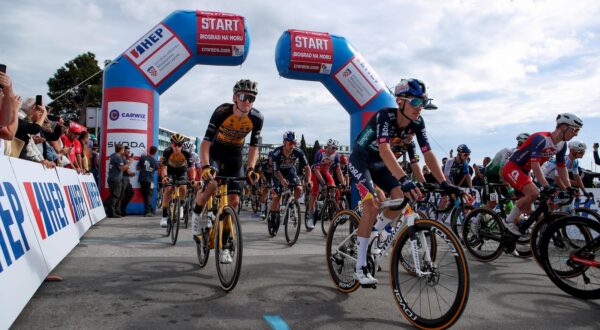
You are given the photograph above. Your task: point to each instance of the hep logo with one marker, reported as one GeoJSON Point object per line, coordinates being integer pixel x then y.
{"type": "Point", "coordinates": [114, 114]}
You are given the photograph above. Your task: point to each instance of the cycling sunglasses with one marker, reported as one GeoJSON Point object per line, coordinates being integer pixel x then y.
{"type": "Point", "coordinates": [246, 97]}
{"type": "Point", "coordinates": [178, 144]}
{"type": "Point", "coordinates": [416, 102]}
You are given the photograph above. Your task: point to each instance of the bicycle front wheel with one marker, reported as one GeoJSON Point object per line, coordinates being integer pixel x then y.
{"type": "Point", "coordinates": [202, 240]}
{"type": "Point", "coordinates": [327, 214]}
{"type": "Point", "coordinates": [482, 234]}
{"type": "Point", "coordinates": [437, 295]}
{"type": "Point", "coordinates": [175, 221]}
{"type": "Point", "coordinates": [457, 218]}
{"type": "Point", "coordinates": [228, 248]}
{"type": "Point", "coordinates": [292, 222]}
{"type": "Point", "coordinates": [341, 250]}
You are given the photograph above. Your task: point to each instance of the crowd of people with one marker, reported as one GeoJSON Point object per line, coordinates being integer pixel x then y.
{"type": "Point", "coordinates": [29, 131]}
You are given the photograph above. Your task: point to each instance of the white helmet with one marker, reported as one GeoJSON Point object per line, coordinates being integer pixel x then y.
{"type": "Point", "coordinates": [522, 137]}
{"type": "Point", "coordinates": [333, 143]}
{"type": "Point", "coordinates": [569, 119]}
{"type": "Point", "coordinates": [577, 146]}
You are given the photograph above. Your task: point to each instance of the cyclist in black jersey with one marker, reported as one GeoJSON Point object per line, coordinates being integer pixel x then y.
{"type": "Point", "coordinates": [176, 163]}
{"type": "Point", "coordinates": [405, 145]}
{"type": "Point", "coordinates": [266, 165]}
{"type": "Point", "coordinates": [456, 170]}
{"type": "Point", "coordinates": [221, 149]}
{"type": "Point", "coordinates": [372, 162]}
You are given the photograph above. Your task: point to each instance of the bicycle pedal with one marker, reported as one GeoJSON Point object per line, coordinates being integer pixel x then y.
{"type": "Point", "coordinates": [366, 286]}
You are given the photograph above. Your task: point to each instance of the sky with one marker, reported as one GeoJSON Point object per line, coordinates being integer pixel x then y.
{"type": "Point", "coordinates": [494, 68]}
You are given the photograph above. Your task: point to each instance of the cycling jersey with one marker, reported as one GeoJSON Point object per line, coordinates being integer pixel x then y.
{"type": "Point", "coordinates": [366, 166]}
{"type": "Point", "coordinates": [226, 129]}
{"type": "Point", "coordinates": [177, 163]}
{"type": "Point", "coordinates": [539, 148]}
{"type": "Point", "coordinates": [549, 167]}
{"type": "Point", "coordinates": [324, 163]}
{"type": "Point", "coordinates": [455, 170]}
{"type": "Point", "coordinates": [500, 158]}
{"type": "Point", "coordinates": [399, 149]}
{"type": "Point", "coordinates": [286, 165]}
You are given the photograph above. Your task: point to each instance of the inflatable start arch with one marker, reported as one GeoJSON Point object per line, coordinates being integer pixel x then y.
{"type": "Point", "coordinates": [136, 78]}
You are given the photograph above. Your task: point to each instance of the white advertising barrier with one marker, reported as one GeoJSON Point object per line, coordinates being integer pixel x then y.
{"type": "Point", "coordinates": [76, 199]}
{"type": "Point", "coordinates": [22, 265]}
{"type": "Point", "coordinates": [48, 209]}
{"type": "Point", "coordinates": [92, 198]}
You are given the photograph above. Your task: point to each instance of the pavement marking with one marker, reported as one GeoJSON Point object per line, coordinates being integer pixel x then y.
{"type": "Point", "coordinates": [276, 322]}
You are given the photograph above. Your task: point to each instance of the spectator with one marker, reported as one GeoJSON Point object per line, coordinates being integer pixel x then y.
{"type": "Point", "coordinates": [28, 132]}
{"type": "Point", "coordinates": [596, 157]}
{"type": "Point", "coordinates": [95, 164]}
{"type": "Point", "coordinates": [71, 143]}
{"type": "Point", "coordinates": [116, 166]}
{"type": "Point", "coordinates": [51, 132]}
{"type": "Point", "coordinates": [127, 189]}
{"type": "Point", "coordinates": [480, 172]}
{"type": "Point", "coordinates": [146, 166]}
{"type": "Point", "coordinates": [429, 178]}
{"type": "Point", "coordinates": [86, 153]}
{"type": "Point", "coordinates": [9, 113]}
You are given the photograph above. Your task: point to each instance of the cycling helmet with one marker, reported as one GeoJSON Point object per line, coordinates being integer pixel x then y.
{"type": "Point", "coordinates": [411, 87]}
{"type": "Point", "coordinates": [177, 138]}
{"type": "Point", "coordinates": [522, 137]}
{"type": "Point", "coordinates": [462, 148]}
{"type": "Point", "coordinates": [343, 160]}
{"type": "Point", "coordinates": [569, 119]}
{"type": "Point", "coordinates": [289, 136]}
{"type": "Point", "coordinates": [577, 146]}
{"type": "Point", "coordinates": [246, 86]}
{"type": "Point", "coordinates": [333, 143]}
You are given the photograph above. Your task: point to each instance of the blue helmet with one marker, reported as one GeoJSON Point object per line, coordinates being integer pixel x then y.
{"type": "Point", "coordinates": [289, 136]}
{"type": "Point", "coordinates": [462, 148]}
{"type": "Point", "coordinates": [411, 87]}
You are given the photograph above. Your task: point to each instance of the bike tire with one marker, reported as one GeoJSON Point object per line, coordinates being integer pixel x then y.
{"type": "Point", "coordinates": [537, 231]}
{"type": "Point", "coordinates": [270, 224]}
{"type": "Point", "coordinates": [202, 250]}
{"type": "Point", "coordinates": [327, 213]}
{"type": "Point", "coordinates": [403, 283]}
{"type": "Point", "coordinates": [169, 223]}
{"type": "Point", "coordinates": [175, 221]}
{"type": "Point", "coordinates": [292, 222]}
{"type": "Point", "coordinates": [340, 248]}
{"type": "Point", "coordinates": [457, 217]}
{"type": "Point", "coordinates": [555, 264]}
{"type": "Point", "coordinates": [587, 213]}
{"type": "Point", "coordinates": [484, 244]}
{"type": "Point", "coordinates": [307, 198]}
{"type": "Point", "coordinates": [229, 273]}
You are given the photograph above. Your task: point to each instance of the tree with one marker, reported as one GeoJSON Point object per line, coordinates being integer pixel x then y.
{"type": "Point", "coordinates": [303, 145]}
{"type": "Point", "coordinates": [316, 147]}
{"type": "Point", "coordinates": [72, 105]}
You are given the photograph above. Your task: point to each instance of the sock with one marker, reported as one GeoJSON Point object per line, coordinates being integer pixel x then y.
{"type": "Point", "coordinates": [164, 212]}
{"type": "Point", "coordinates": [514, 213]}
{"type": "Point", "coordinates": [198, 209]}
{"type": "Point", "coordinates": [382, 221]}
{"type": "Point", "coordinates": [363, 245]}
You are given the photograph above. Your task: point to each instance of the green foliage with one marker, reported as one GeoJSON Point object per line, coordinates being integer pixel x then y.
{"type": "Point", "coordinates": [72, 105]}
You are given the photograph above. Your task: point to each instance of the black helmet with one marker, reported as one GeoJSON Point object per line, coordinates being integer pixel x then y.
{"type": "Point", "coordinates": [246, 86]}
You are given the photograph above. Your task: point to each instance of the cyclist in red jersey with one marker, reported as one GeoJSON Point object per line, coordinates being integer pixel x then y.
{"type": "Point", "coordinates": [530, 156]}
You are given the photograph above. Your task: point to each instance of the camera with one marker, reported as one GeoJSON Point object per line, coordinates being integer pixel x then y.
{"type": "Point", "coordinates": [3, 70]}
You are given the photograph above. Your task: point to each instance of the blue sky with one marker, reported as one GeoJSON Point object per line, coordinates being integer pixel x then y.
{"type": "Point", "coordinates": [494, 68]}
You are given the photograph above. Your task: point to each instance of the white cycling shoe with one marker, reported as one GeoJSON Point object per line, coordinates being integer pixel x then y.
{"type": "Point", "coordinates": [225, 257]}
{"type": "Point", "coordinates": [163, 222]}
{"type": "Point", "coordinates": [364, 277]}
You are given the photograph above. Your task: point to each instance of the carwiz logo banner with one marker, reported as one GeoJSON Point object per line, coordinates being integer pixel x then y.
{"type": "Point", "coordinates": [127, 115]}
{"type": "Point", "coordinates": [13, 241]}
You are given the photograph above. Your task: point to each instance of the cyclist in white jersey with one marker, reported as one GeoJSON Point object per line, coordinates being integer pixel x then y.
{"type": "Point", "coordinates": [576, 151]}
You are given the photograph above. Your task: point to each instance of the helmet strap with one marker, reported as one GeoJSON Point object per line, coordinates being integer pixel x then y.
{"type": "Point", "coordinates": [402, 111]}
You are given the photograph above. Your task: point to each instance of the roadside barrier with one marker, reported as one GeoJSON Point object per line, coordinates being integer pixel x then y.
{"type": "Point", "coordinates": [43, 214]}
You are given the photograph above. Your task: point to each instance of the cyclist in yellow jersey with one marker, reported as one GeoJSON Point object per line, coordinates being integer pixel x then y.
{"type": "Point", "coordinates": [221, 149]}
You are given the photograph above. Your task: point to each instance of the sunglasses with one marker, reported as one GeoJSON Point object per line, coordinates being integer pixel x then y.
{"type": "Point", "coordinates": [290, 141]}
{"type": "Point", "coordinates": [179, 145]}
{"type": "Point", "coordinates": [246, 97]}
{"type": "Point", "coordinates": [415, 102]}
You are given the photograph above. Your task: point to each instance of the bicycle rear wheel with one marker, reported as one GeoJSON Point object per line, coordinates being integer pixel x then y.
{"type": "Point", "coordinates": [327, 214]}
{"type": "Point", "coordinates": [175, 221]}
{"type": "Point", "coordinates": [482, 234]}
{"type": "Point", "coordinates": [228, 269]}
{"type": "Point", "coordinates": [292, 222]}
{"type": "Point", "coordinates": [538, 230]}
{"type": "Point", "coordinates": [438, 298]}
{"type": "Point", "coordinates": [307, 198]}
{"type": "Point", "coordinates": [573, 262]}
{"type": "Point", "coordinates": [341, 250]}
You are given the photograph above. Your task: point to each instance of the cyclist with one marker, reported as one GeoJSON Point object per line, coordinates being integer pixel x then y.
{"type": "Point", "coordinates": [176, 162]}
{"type": "Point", "coordinates": [221, 149]}
{"type": "Point", "coordinates": [404, 145]}
{"type": "Point", "coordinates": [284, 160]}
{"type": "Point", "coordinates": [576, 151]}
{"type": "Point", "coordinates": [372, 162]}
{"type": "Point", "coordinates": [530, 156]}
{"type": "Point", "coordinates": [345, 175]}
{"type": "Point", "coordinates": [325, 160]}
{"type": "Point", "coordinates": [266, 165]}
{"type": "Point", "coordinates": [456, 170]}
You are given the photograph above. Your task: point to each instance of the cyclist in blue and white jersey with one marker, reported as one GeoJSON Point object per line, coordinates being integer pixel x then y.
{"type": "Point", "coordinates": [576, 151]}
{"type": "Point", "coordinates": [372, 162]}
{"type": "Point", "coordinates": [456, 170]}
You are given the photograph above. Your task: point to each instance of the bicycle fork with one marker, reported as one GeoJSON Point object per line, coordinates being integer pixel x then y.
{"type": "Point", "coordinates": [414, 245]}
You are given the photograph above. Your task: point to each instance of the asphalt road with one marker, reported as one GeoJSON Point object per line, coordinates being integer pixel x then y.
{"type": "Point", "coordinates": [125, 274]}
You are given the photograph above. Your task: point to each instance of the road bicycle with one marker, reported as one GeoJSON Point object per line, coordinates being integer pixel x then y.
{"type": "Point", "coordinates": [221, 231]}
{"type": "Point", "coordinates": [429, 274]}
{"type": "Point", "coordinates": [174, 209]}
{"type": "Point", "coordinates": [292, 221]}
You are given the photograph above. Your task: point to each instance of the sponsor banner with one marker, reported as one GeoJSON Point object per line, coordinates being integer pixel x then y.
{"type": "Point", "coordinates": [311, 51]}
{"type": "Point", "coordinates": [158, 53]}
{"type": "Point", "coordinates": [48, 208]}
{"type": "Point", "coordinates": [92, 197]}
{"type": "Point", "coordinates": [220, 34]}
{"type": "Point", "coordinates": [127, 115]}
{"type": "Point", "coordinates": [22, 266]}
{"type": "Point", "coordinates": [137, 142]}
{"type": "Point", "coordinates": [76, 199]}
{"type": "Point", "coordinates": [359, 80]}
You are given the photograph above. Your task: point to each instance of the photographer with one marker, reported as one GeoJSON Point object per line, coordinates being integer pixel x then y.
{"type": "Point", "coordinates": [28, 132]}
